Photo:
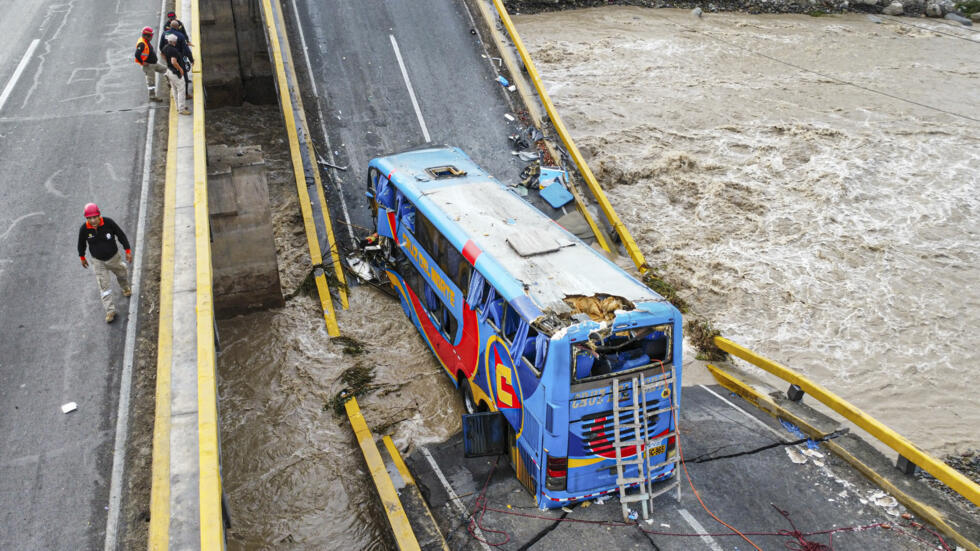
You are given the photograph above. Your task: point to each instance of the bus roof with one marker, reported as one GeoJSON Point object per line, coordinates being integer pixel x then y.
{"type": "Point", "coordinates": [548, 260]}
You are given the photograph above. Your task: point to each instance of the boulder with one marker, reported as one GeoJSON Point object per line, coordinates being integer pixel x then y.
{"type": "Point", "coordinates": [895, 8]}
{"type": "Point", "coordinates": [958, 18]}
{"type": "Point", "coordinates": [934, 9]}
{"type": "Point", "coordinates": [975, 17]}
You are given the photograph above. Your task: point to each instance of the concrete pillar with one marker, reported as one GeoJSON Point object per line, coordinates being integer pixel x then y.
{"type": "Point", "coordinates": [244, 264]}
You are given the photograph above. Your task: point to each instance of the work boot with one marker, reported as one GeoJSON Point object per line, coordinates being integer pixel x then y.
{"type": "Point", "coordinates": [110, 316]}
{"type": "Point", "coordinates": [185, 111]}
{"type": "Point", "coordinates": [127, 292]}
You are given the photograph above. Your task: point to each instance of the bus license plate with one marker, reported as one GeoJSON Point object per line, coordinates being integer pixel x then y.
{"type": "Point", "coordinates": [657, 450]}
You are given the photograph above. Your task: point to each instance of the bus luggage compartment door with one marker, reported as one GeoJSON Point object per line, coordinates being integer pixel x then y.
{"type": "Point", "coordinates": [484, 434]}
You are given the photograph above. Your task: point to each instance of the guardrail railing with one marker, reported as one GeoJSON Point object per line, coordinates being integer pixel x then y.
{"type": "Point", "coordinates": [937, 468]}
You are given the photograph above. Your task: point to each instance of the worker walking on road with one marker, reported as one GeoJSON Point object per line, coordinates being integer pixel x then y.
{"type": "Point", "coordinates": [175, 73]}
{"type": "Point", "coordinates": [99, 234]}
{"type": "Point", "coordinates": [147, 59]}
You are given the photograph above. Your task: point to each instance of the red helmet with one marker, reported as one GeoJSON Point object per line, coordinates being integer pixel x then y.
{"type": "Point", "coordinates": [148, 30]}
{"type": "Point", "coordinates": [91, 210]}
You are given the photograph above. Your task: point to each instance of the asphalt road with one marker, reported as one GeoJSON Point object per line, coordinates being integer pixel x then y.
{"type": "Point", "coordinates": [364, 97]}
{"type": "Point", "coordinates": [72, 130]}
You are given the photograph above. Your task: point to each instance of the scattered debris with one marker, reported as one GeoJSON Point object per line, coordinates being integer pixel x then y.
{"type": "Point", "coordinates": [599, 307]}
{"type": "Point", "coordinates": [358, 381]}
{"type": "Point", "coordinates": [702, 335]}
{"type": "Point", "coordinates": [69, 407]}
{"type": "Point", "coordinates": [329, 165]}
{"type": "Point", "coordinates": [503, 81]}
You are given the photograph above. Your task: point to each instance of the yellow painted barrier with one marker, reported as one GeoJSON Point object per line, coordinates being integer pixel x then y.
{"type": "Point", "coordinates": [316, 256]}
{"type": "Point", "coordinates": [607, 209]}
{"type": "Point", "coordinates": [400, 527]}
{"type": "Point", "coordinates": [212, 523]}
{"type": "Point", "coordinates": [766, 404]}
{"type": "Point", "coordinates": [159, 531]}
{"type": "Point", "coordinates": [327, 224]}
{"type": "Point", "coordinates": [951, 477]}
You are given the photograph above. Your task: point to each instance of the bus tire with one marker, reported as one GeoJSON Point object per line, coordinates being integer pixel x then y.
{"type": "Point", "coordinates": [469, 405]}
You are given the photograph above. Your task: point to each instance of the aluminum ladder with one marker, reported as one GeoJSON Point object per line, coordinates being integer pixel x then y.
{"type": "Point", "coordinates": [630, 428]}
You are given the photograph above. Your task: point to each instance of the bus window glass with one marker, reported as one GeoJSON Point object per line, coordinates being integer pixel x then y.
{"type": "Point", "coordinates": [427, 235]}
{"type": "Point", "coordinates": [511, 322]}
{"type": "Point", "coordinates": [463, 276]}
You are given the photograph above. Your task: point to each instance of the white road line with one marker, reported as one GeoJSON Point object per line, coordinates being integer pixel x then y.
{"type": "Point", "coordinates": [18, 71]}
{"type": "Point", "coordinates": [319, 112]}
{"type": "Point", "coordinates": [411, 91]}
{"type": "Point", "coordinates": [129, 351]}
{"type": "Point", "coordinates": [747, 414]}
{"type": "Point", "coordinates": [708, 540]}
{"type": "Point", "coordinates": [452, 494]}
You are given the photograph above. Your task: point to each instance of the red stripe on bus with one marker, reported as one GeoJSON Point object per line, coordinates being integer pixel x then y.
{"type": "Point", "coordinates": [471, 252]}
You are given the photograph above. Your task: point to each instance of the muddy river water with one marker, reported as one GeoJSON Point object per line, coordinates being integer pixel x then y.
{"type": "Point", "coordinates": [811, 183]}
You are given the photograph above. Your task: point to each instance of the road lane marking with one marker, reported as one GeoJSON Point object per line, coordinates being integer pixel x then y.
{"type": "Point", "coordinates": [708, 540]}
{"type": "Point", "coordinates": [411, 91]}
{"type": "Point", "coordinates": [18, 71]}
{"type": "Point", "coordinates": [319, 112]}
{"type": "Point", "coordinates": [452, 493]}
{"type": "Point", "coordinates": [756, 420]}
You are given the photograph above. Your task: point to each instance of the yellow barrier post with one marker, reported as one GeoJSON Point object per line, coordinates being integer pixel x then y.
{"type": "Point", "coordinates": [316, 256]}
{"type": "Point", "coordinates": [951, 477]}
{"type": "Point", "coordinates": [400, 527]}
{"type": "Point", "coordinates": [607, 209]}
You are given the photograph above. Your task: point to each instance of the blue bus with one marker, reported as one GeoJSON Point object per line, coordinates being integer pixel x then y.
{"type": "Point", "coordinates": [531, 322]}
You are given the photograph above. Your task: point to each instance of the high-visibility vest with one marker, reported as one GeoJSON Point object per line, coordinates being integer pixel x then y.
{"type": "Point", "coordinates": [146, 50]}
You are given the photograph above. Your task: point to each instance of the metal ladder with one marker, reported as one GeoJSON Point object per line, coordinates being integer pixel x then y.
{"type": "Point", "coordinates": [630, 428]}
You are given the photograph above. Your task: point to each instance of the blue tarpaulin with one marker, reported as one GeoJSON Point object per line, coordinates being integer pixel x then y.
{"type": "Point", "coordinates": [552, 185]}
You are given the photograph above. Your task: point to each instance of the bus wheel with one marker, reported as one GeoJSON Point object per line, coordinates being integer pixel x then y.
{"type": "Point", "coordinates": [469, 405]}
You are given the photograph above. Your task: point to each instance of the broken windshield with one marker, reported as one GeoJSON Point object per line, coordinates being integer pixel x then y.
{"type": "Point", "coordinates": [621, 353]}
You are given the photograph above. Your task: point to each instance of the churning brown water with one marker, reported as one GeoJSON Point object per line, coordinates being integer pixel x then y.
{"type": "Point", "coordinates": [828, 226]}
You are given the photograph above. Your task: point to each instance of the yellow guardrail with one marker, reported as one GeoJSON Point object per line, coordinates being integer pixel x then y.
{"type": "Point", "coordinates": [943, 472]}
{"type": "Point", "coordinates": [583, 167]}
{"type": "Point", "coordinates": [285, 102]}
{"type": "Point", "coordinates": [212, 523]}
{"type": "Point", "coordinates": [400, 527]}
{"type": "Point", "coordinates": [160, 469]}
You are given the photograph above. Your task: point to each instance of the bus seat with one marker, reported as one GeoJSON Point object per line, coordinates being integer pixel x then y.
{"type": "Point", "coordinates": [583, 366]}
{"type": "Point", "coordinates": [630, 363]}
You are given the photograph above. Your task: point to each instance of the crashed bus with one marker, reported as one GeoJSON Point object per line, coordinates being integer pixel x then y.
{"type": "Point", "coordinates": [563, 361]}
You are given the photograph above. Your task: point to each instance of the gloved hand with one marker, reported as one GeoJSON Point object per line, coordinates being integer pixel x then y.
{"type": "Point", "coordinates": [84, 262]}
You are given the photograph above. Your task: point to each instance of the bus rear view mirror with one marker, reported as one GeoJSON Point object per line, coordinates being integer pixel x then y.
{"type": "Point", "coordinates": [484, 434]}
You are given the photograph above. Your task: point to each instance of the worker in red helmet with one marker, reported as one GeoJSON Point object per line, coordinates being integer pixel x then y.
{"type": "Point", "coordinates": [99, 234]}
{"type": "Point", "coordinates": [147, 59]}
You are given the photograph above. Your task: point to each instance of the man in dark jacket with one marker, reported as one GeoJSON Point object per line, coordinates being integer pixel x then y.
{"type": "Point", "coordinates": [99, 235]}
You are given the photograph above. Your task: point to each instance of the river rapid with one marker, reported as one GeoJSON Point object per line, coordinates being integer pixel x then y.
{"type": "Point", "coordinates": [810, 182]}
